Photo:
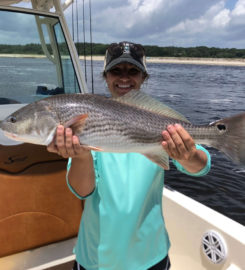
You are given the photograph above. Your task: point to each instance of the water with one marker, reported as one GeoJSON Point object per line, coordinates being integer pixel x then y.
{"type": "Point", "coordinates": [203, 94]}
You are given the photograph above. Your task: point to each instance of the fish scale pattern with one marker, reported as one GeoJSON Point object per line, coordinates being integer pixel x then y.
{"type": "Point", "coordinates": [127, 124]}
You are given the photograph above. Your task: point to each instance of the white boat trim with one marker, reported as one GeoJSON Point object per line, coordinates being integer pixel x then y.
{"type": "Point", "coordinates": [187, 221]}
{"type": "Point", "coordinates": [45, 257]}
{"type": "Point", "coordinates": [62, 261]}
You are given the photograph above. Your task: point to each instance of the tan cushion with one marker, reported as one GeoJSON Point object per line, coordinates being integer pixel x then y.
{"type": "Point", "coordinates": [36, 206]}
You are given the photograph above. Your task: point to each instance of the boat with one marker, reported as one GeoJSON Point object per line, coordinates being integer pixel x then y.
{"type": "Point", "coordinates": [39, 217]}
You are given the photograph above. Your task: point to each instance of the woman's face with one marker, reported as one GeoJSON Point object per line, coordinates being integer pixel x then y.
{"type": "Point", "coordinates": [123, 78]}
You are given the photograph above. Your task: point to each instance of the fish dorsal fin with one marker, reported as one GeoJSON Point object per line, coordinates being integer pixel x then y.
{"type": "Point", "coordinates": [143, 101]}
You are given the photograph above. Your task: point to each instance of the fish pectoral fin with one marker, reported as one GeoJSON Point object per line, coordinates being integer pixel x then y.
{"type": "Point", "coordinates": [161, 158]}
{"type": "Point", "coordinates": [77, 122]}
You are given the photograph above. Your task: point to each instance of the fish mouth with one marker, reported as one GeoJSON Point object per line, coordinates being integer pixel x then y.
{"type": "Point", "coordinates": [23, 139]}
{"type": "Point", "coordinates": [11, 135]}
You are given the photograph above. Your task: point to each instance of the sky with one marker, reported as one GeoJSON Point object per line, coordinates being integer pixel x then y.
{"type": "Point", "coordinates": [185, 23]}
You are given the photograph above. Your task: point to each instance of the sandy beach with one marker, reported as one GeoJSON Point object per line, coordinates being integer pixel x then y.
{"type": "Point", "coordinates": [186, 60]}
{"type": "Point", "coordinates": [198, 61]}
{"type": "Point", "coordinates": [171, 60]}
{"type": "Point", "coordinates": [22, 55]}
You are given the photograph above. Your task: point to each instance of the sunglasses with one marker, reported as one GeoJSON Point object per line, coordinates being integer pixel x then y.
{"type": "Point", "coordinates": [116, 71]}
{"type": "Point", "coordinates": [115, 50]}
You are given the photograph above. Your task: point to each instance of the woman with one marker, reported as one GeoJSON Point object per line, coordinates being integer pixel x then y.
{"type": "Point", "coordinates": [122, 227]}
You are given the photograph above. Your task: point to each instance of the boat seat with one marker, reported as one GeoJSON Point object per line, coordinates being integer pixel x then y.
{"type": "Point", "coordinates": [37, 207]}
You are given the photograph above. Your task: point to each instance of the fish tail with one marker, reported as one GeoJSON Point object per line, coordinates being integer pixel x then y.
{"type": "Point", "coordinates": [232, 143]}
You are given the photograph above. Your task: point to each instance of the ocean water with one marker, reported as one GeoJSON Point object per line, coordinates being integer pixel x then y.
{"type": "Point", "coordinates": [203, 94]}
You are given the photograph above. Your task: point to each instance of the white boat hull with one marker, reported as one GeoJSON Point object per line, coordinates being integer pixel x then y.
{"type": "Point", "coordinates": [187, 221]}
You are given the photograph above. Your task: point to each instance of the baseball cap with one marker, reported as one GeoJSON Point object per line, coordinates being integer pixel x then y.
{"type": "Point", "coordinates": [123, 52]}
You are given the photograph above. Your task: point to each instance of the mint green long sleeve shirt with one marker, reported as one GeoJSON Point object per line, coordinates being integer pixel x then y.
{"type": "Point", "coordinates": [122, 226]}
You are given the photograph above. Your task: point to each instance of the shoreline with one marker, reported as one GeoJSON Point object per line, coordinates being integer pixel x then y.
{"type": "Point", "coordinates": [186, 60]}
{"type": "Point", "coordinates": [198, 61]}
{"type": "Point", "coordinates": [164, 60]}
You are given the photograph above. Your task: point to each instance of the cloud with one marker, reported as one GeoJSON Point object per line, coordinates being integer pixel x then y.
{"type": "Point", "coordinates": [164, 22]}
{"type": "Point", "coordinates": [239, 9]}
{"type": "Point", "coordinates": [140, 18]}
{"type": "Point", "coordinates": [219, 26]}
{"type": "Point", "coordinates": [12, 32]}
{"type": "Point", "coordinates": [212, 18]}
{"type": "Point", "coordinates": [222, 18]}
{"type": "Point", "coordinates": [218, 23]}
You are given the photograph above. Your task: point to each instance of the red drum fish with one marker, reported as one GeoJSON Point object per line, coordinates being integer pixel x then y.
{"type": "Point", "coordinates": [131, 123]}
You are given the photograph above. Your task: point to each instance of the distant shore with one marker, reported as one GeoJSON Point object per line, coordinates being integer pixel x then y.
{"type": "Point", "coordinates": [198, 61]}
{"type": "Point", "coordinates": [170, 60]}
{"type": "Point", "coordinates": [186, 60]}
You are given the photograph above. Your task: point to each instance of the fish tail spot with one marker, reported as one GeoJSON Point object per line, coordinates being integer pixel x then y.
{"type": "Point", "coordinates": [221, 127]}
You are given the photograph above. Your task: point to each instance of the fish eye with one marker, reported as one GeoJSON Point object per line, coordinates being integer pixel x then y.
{"type": "Point", "coordinates": [12, 119]}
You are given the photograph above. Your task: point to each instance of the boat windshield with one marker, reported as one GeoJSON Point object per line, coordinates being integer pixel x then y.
{"type": "Point", "coordinates": [34, 58]}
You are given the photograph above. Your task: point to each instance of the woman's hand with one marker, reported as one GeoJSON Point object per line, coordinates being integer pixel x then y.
{"type": "Point", "coordinates": [178, 143]}
{"type": "Point", "coordinates": [81, 174]}
{"type": "Point", "coordinates": [180, 146]}
{"type": "Point", "coordinates": [66, 144]}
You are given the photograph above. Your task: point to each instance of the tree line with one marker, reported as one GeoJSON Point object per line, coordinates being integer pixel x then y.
{"type": "Point", "coordinates": [151, 50]}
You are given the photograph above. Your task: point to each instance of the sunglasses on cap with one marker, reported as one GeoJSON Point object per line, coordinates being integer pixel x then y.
{"type": "Point", "coordinates": [125, 51]}
{"type": "Point", "coordinates": [117, 49]}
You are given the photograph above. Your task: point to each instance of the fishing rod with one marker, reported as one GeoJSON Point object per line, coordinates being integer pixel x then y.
{"type": "Point", "coordinates": [91, 46]}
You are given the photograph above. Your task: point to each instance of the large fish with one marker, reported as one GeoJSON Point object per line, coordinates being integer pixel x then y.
{"type": "Point", "coordinates": [131, 123]}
